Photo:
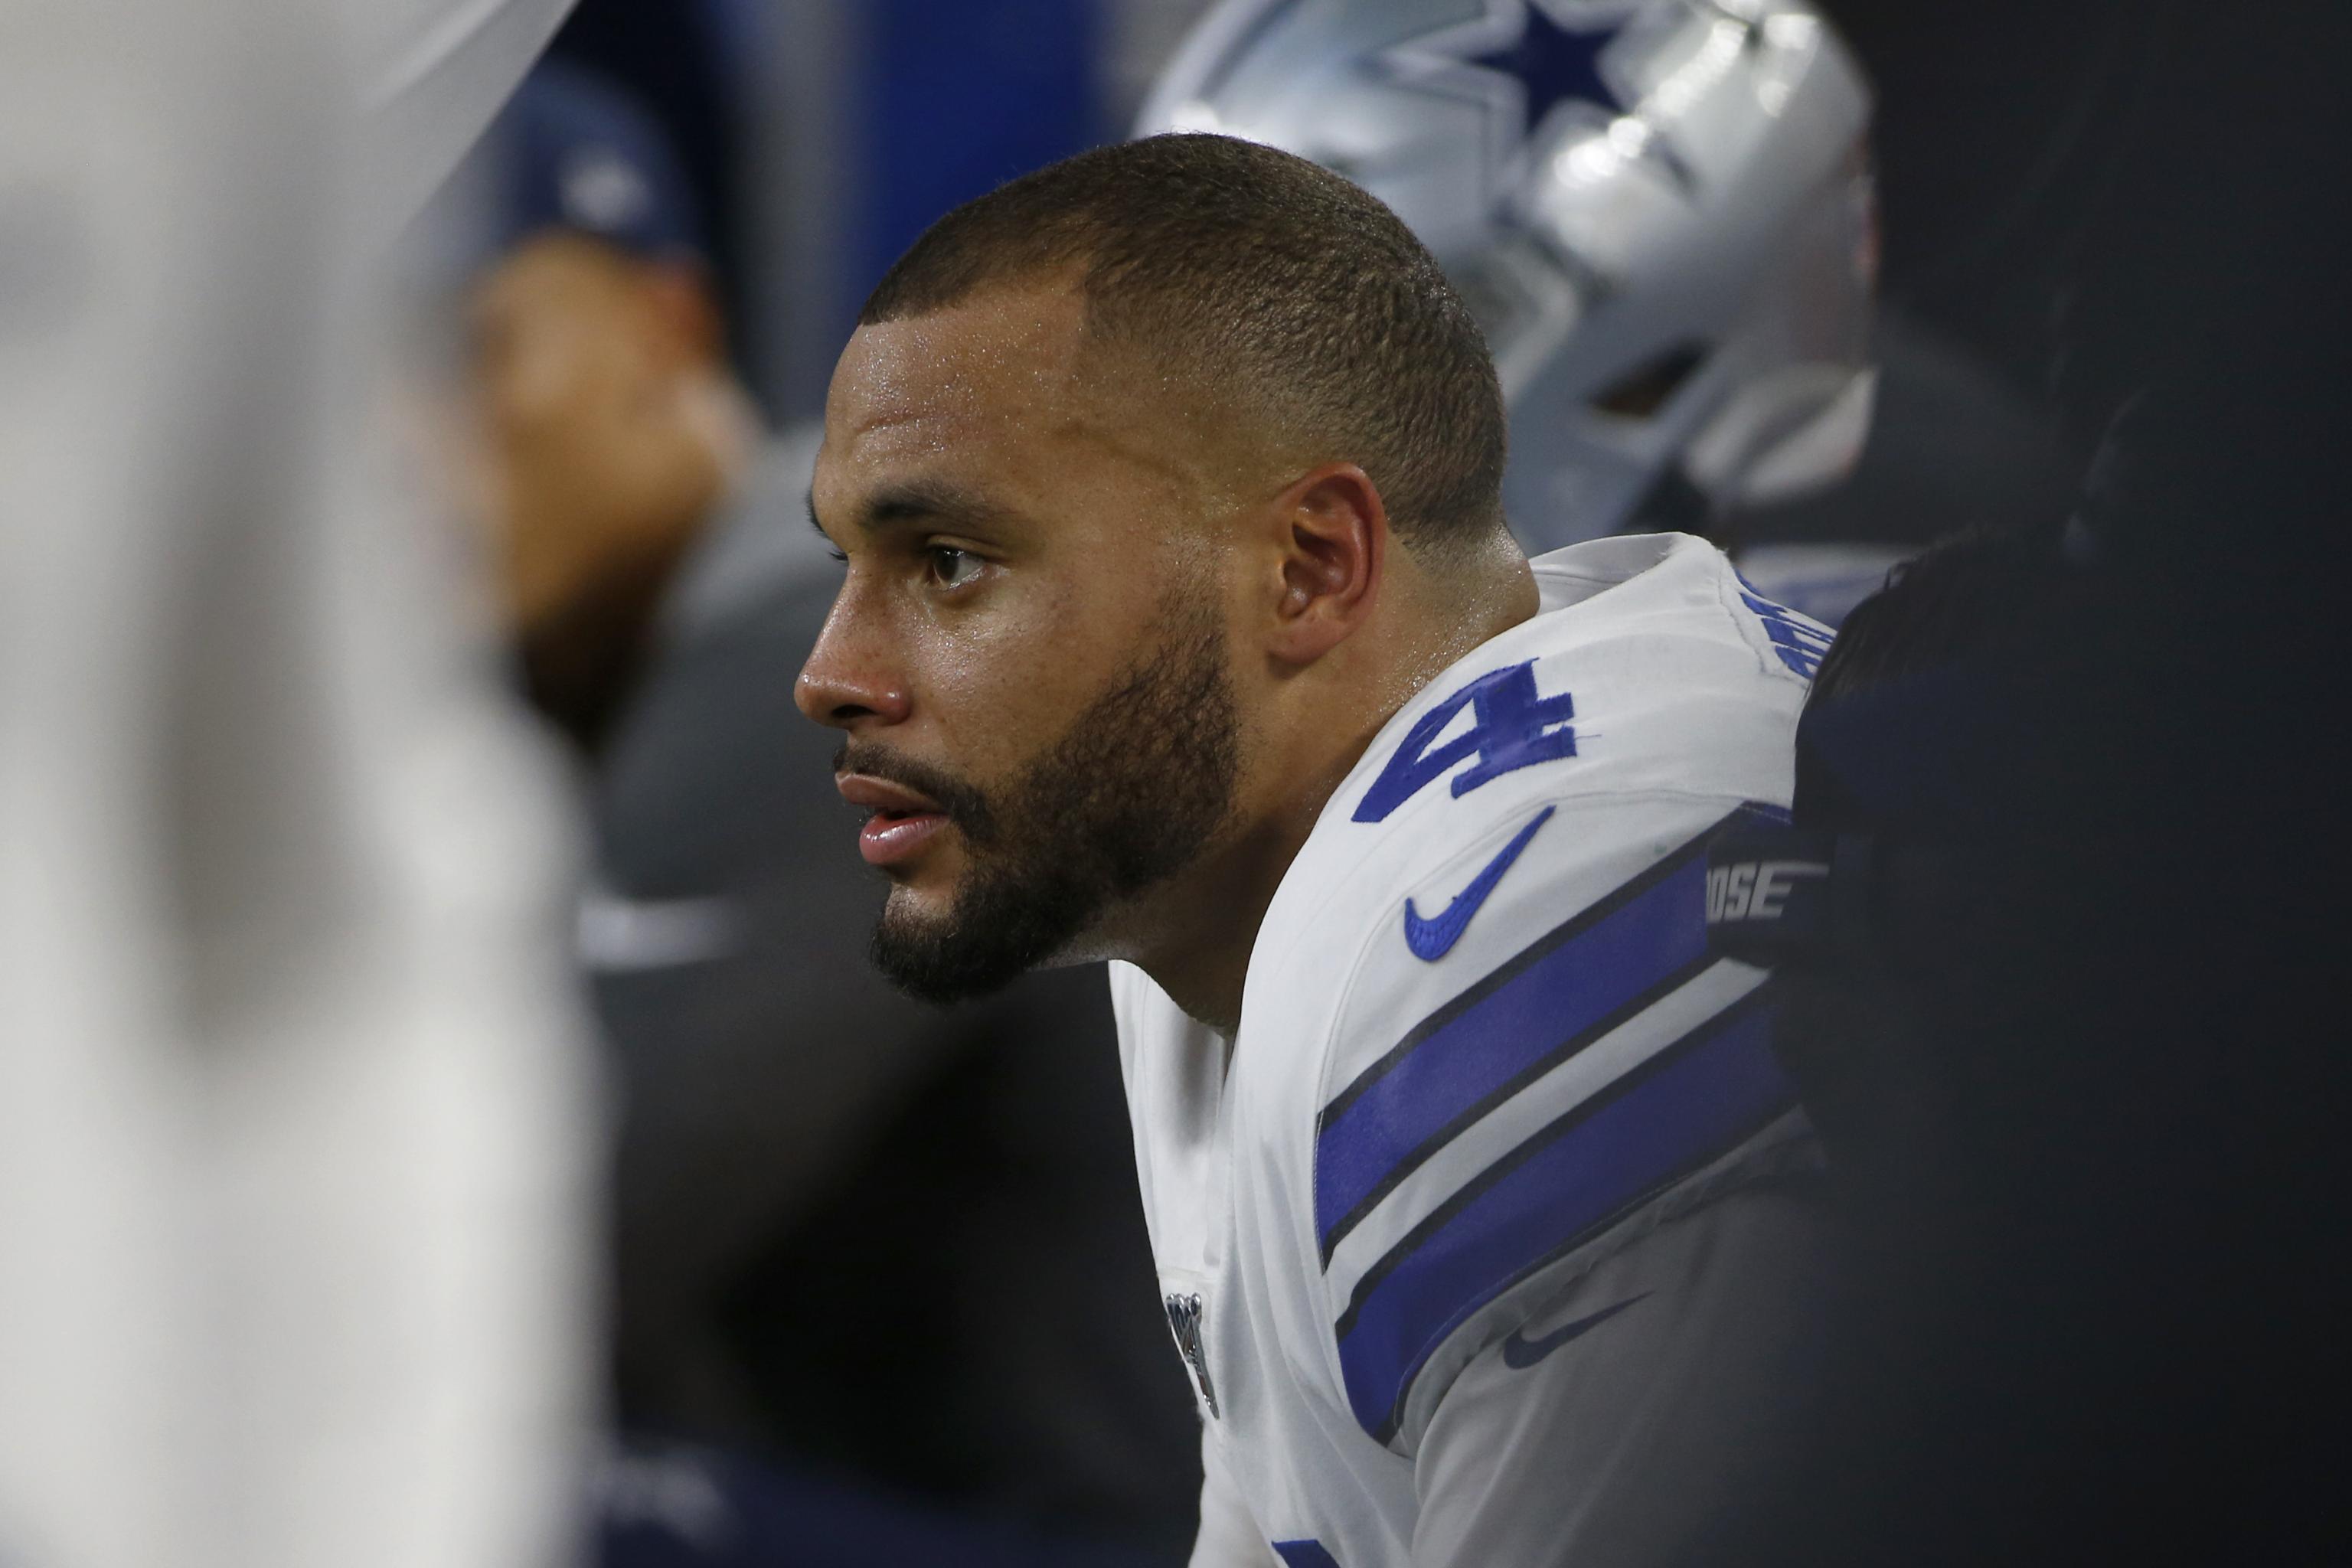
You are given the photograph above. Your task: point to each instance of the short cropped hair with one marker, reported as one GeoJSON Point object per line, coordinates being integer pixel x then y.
{"type": "Point", "coordinates": [1297, 295]}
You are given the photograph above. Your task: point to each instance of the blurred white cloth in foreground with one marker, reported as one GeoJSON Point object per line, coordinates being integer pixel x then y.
{"type": "Point", "coordinates": [294, 1119]}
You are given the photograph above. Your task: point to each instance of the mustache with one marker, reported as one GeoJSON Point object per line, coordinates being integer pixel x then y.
{"type": "Point", "coordinates": [963, 802]}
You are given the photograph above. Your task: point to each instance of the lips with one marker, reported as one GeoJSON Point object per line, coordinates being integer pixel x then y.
{"type": "Point", "coordinates": [903, 820]}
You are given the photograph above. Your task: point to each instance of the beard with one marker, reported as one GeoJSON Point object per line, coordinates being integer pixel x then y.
{"type": "Point", "coordinates": [1130, 794]}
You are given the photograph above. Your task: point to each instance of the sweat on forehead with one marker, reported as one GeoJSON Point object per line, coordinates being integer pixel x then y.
{"type": "Point", "coordinates": [1018, 359]}
{"type": "Point", "coordinates": [1023, 340]}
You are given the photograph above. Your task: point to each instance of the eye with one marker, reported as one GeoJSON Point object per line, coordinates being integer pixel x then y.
{"type": "Point", "coordinates": [951, 567]}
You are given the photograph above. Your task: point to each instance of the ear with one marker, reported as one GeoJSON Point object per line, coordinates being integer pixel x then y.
{"type": "Point", "coordinates": [1331, 544]}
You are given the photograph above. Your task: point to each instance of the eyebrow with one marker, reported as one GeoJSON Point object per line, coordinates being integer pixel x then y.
{"type": "Point", "coordinates": [914, 502]}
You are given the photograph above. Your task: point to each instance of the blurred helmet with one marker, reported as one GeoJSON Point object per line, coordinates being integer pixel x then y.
{"type": "Point", "coordinates": [579, 153]}
{"type": "Point", "coordinates": [1660, 212]}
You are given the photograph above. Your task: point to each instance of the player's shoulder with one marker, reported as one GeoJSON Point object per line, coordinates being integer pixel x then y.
{"type": "Point", "coordinates": [1650, 664]}
{"type": "Point", "coordinates": [1548, 768]}
{"type": "Point", "coordinates": [1673, 597]}
{"type": "Point", "coordinates": [1504, 1029]}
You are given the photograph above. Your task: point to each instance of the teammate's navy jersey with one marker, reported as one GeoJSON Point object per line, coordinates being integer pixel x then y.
{"type": "Point", "coordinates": [1486, 1067]}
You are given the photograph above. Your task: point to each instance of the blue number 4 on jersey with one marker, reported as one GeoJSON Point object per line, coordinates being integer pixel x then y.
{"type": "Point", "coordinates": [1513, 728]}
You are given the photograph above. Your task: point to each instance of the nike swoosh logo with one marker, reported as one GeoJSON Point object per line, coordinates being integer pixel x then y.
{"type": "Point", "coordinates": [1432, 940]}
{"type": "Point", "coordinates": [1520, 1353]}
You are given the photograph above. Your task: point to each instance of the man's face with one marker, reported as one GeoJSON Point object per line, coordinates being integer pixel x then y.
{"type": "Point", "coordinates": [1029, 652]}
{"type": "Point", "coordinates": [597, 464]}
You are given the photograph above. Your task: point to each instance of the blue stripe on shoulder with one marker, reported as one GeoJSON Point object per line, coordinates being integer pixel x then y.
{"type": "Point", "coordinates": [1692, 1102]}
{"type": "Point", "coordinates": [1304, 1555]}
{"type": "Point", "coordinates": [1553, 998]}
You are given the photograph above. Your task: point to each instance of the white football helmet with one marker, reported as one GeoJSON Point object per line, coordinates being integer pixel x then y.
{"type": "Point", "coordinates": [1660, 212]}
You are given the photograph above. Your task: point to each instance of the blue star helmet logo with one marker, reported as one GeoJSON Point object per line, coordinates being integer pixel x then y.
{"type": "Point", "coordinates": [1523, 53]}
{"type": "Point", "coordinates": [1555, 65]}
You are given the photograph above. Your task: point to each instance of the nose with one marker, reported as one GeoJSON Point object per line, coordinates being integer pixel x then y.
{"type": "Point", "coordinates": [846, 683]}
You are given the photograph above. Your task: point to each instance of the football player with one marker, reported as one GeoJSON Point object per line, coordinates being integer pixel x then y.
{"type": "Point", "coordinates": [1181, 626]}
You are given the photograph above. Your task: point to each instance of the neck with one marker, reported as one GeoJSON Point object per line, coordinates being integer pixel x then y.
{"type": "Point", "coordinates": [1201, 956]}
{"type": "Point", "coordinates": [1201, 953]}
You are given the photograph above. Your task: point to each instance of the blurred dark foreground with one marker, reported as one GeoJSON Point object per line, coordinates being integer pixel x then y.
{"type": "Point", "coordinates": [2094, 1159]}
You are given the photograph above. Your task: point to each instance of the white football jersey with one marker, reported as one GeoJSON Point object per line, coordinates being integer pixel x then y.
{"type": "Point", "coordinates": [1487, 1236]}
